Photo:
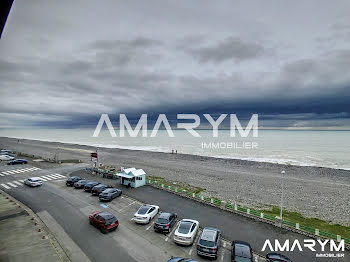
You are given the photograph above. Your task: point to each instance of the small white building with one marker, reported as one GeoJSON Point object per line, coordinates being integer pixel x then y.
{"type": "Point", "coordinates": [132, 177]}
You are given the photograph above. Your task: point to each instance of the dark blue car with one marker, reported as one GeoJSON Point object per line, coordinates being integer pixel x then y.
{"type": "Point", "coordinates": [18, 162]}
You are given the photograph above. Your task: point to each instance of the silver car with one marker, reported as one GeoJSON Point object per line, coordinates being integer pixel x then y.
{"type": "Point", "coordinates": [33, 181]}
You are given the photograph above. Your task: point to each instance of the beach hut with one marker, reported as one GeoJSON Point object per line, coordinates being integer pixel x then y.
{"type": "Point", "coordinates": [132, 177]}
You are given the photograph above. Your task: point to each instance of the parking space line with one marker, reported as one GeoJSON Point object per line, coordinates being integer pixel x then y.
{"type": "Point", "coordinates": [171, 232]}
{"type": "Point", "coordinates": [222, 255]}
{"type": "Point", "coordinates": [195, 242]}
{"type": "Point", "coordinates": [149, 227]}
{"type": "Point", "coordinates": [120, 210]}
{"type": "Point", "coordinates": [17, 183]}
{"type": "Point", "coordinates": [5, 186]}
{"type": "Point", "coordinates": [13, 185]}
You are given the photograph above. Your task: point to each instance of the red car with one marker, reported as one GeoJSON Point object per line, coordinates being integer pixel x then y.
{"type": "Point", "coordinates": [104, 220]}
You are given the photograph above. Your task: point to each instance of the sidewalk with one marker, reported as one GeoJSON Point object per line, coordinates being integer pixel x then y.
{"type": "Point", "coordinates": [24, 237]}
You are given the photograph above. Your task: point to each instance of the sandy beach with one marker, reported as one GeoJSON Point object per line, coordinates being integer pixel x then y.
{"type": "Point", "coordinates": [314, 191]}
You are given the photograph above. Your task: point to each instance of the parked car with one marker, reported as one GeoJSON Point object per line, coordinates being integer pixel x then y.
{"type": "Point", "coordinates": [96, 190]}
{"type": "Point", "coordinates": [186, 232]}
{"type": "Point", "coordinates": [6, 158]}
{"type": "Point", "coordinates": [18, 162]}
{"type": "Point", "coordinates": [275, 257]}
{"type": "Point", "coordinates": [209, 242]}
{"type": "Point", "coordinates": [81, 183]}
{"type": "Point", "coordinates": [241, 252]}
{"type": "Point", "coordinates": [88, 186]}
{"type": "Point", "coordinates": [181, 259]}
{"type": "Point", "coordinates": [165, 222]}
{"type": "Point", "coordinates": [145, 214]}
{"type": "Point", "coordinates": [70, 181]}
{"type": "Point", "coordinates": [103, 220]}
{"type": "Point", "coordinates": [33, 181]}
{"type": "Point", "coordinates": [109, 194]}
{"type": "Point", "coordinates": [5, 152]}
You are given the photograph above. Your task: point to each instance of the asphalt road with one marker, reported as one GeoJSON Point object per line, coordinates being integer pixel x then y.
{"type": "Point", "coordinates": [66, 205]}
{"type": "Point", "coordinates": [96, 246]}
{"type": "Point", "coordinates": [233, 227]}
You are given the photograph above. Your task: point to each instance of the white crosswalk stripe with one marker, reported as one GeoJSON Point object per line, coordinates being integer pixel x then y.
{"type": "Point", "coordinates": [5, 173]}
{"type": "Point", "coordinates": [5, 186]}
{"type": "Point", "coordinates": [45, 178]}
{"type": "Point", "coordinates": [55, 176]}
{"type": "Point", "coordinates": [1, 174]}
{"type": "Point", "coordinates": [21, 181]}
{"type": "Point", "coordinates": [59, 175]}
{"type": "Point", "coordinates": [10, 172]}
{"type": "Point", "coordinates": [17, 171]}
{"type": "Point", "coordinates": [17, 183]}
{"type": "Point", "coordinates": [51, 176]}
{"type": "Point", "coordinates": [10, 184]}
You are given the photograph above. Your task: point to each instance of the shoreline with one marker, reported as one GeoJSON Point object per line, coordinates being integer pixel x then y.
{"type": "Point", "coordinates": [313, 191]}
{"type": "Point", "coordinates": [99, 146]}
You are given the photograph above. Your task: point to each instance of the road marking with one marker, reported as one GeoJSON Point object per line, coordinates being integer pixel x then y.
{"type": "Point", "coordinates": [171, 232]}
{"type": "Point", "coordinates": [194, 242]}
{"type": "Point", "coordinates": [59, 175]}
{"type": "Point", "coordinates": [21, 181]}
{"type": "Point", "coordinates": [5, 173]}
{"type": "Point", "coordinates": [222, 255]}
{"type": "Point", "coordinates": [5, 186]}
{"type": "Point", "coordinates": [51, 176]}
{"type": "Point", "coordinates": [1, 174]}
{"type": "Point", "coordinates": [17, 183]}
{"type": "Point", "coordinates": [44, 179]}
{"type": "Point", "coordinates": [13, 185]}
{"type": "Point", "coordinates": [132, 219]}
{"type": "Point", "coordinates": [148, 227]}
{"type": "Point", "coordinates": [120, 210]}
{"type": "Point", "coordinates": [256, 258]}
{"type": "Point", "coordinates": [224, 244]}
{"type": "Point", "coordinates": [55, 176]}
{"type": "Point", "coordinates": [9, 172]}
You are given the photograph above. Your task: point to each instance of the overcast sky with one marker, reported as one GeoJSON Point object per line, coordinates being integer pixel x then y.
{"type": "Point", "coordinates": [63, 63]}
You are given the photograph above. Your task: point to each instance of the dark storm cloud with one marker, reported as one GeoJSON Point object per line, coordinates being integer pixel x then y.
{"type": "Point", "coordinates": [231, 48]}
{"type": "Point", "coordinates": [56, 72]}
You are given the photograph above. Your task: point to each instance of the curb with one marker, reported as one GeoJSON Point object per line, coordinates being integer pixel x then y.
{"type": "Point", "coordinates": [43, 228]}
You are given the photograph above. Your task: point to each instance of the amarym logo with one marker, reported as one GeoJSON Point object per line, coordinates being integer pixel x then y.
{"type": "Point", "coordinates": [124, 124]}
{"type": "Point", "coordinates": [307, 243]}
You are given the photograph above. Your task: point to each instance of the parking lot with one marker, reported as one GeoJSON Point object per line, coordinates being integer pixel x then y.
{"type": "Point", "coordinates": [125, 207]}
{"type": "Point", "coordinates": [11, 180]}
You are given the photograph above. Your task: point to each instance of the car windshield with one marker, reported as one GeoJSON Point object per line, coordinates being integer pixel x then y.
{"type": "Point", "coordinates": [108, 191]}
{"type": "Point", "coordinates": [162, 221]}
{"type": "Point", "coordinates": [143, 210]}
{"type": "Point", "coordinates": [242, 259]}
{"type": "Point", "coordinates": [206, 243]}
{"type": "Point", "coordinates": [185, 227]}
{"type": "Point", "coordinates": [242, 251]}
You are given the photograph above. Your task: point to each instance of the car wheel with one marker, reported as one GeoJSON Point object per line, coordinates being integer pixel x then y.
{"type": "Point", "coordinates": [91, 222]}
{"type": "Point", "coordinates": [103, 231]}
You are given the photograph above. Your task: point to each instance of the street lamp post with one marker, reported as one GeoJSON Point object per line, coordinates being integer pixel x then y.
{"type": "Point", "coordinates": [282, 176]}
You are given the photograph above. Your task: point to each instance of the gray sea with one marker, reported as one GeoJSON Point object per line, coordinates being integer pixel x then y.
{"type": "Point", "coordinates": [295, 147]}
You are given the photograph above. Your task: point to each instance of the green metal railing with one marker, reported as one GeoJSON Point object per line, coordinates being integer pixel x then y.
{"type": "Point", "coordinates": [245, 210]}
